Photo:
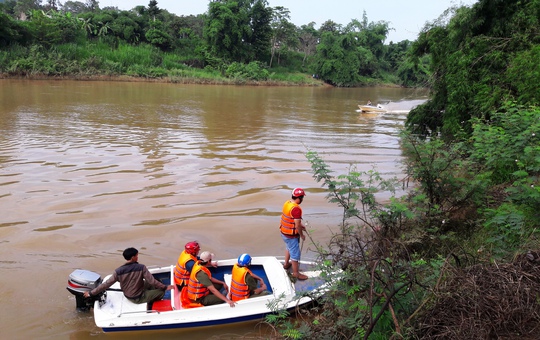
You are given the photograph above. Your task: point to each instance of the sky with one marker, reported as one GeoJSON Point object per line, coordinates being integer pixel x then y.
{"type": "Point", "coordinates": [406, 18]}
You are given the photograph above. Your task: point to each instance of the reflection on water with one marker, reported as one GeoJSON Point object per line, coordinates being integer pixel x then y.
{"type": "Point", "coordinates": [90, 168]}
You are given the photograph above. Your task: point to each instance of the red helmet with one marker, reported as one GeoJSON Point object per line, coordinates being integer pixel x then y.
{"type": "Point", "coordinates": [297, 192]}
{"type": "Point", "coordinates": [192, 248]}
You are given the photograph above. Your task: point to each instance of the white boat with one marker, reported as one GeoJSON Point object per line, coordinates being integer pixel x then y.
{"type": "Point", "coordinates": [114, 312]}
{"type": "Point", "coordinates": [371, 109]}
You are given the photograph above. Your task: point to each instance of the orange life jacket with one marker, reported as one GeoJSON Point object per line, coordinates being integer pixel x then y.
{"type": "Point", "coordinates": [239, 287]}
{"type": "Point", "coordinates": [196, 290]}
{"type": "Point", "coordinates": [181, 274]}
{"type": "Point", "coordinates": [287, 226]}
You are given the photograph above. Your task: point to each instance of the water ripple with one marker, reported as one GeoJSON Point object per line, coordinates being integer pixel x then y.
{"type": "Point", "coordinates": [109, 157]}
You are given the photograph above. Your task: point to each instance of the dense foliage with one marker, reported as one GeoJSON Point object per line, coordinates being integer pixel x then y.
{"type": "Point", "coordinates": [485, 55]}
{"type": "Point", "coordinates": [345, 56]}
{"type": "Point", "coordinates": [404, 261]}
{"type": "Point", "coordinates": [207, 46]}
{"type": "Point", "coordinates": [239, 31]}
{"type": "Point", "coordinates": [459, 255]}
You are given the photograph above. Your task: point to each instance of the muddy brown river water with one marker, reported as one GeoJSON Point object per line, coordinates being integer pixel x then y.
{"type": "Point", "coordinates": [90, 168]}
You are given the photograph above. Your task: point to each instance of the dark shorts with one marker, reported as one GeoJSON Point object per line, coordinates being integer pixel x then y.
{"type": "Point", "coordinates": [211, 299]}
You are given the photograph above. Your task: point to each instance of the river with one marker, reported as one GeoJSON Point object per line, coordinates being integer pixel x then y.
{"type": "Point", "coordinates": [90, 168]}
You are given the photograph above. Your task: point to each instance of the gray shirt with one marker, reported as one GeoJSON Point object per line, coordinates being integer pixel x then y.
{"type": "Point", "coordinates": [130, 276]}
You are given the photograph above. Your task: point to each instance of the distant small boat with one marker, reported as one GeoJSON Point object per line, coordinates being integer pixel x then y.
{"type": "Point", "coordinates": [371, 109]}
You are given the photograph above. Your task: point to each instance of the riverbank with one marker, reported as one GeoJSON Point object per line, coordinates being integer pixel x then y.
{"type": "Point", "coordinates": [303, 81]}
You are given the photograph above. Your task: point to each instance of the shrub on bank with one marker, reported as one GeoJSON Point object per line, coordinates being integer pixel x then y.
{"type": "Point", "coordinates": [143, 61]}
{"type": "Point", "coordinates": [420, 266]}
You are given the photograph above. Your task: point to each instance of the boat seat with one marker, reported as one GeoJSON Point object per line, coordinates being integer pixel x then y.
{"type": "Point", "coordinates": [186, 302]}
{"type": "Point", "coordinates": [162, 305]}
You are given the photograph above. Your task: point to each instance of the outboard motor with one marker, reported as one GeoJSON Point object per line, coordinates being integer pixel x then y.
{"type": "Point", "coordinates": [81, 281]}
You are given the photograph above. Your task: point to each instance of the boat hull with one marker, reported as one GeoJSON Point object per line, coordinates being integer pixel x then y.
{"type": "Point", "coordinates": [371, 109]}
{"type": "Point", "coordinates": [192, 324]}
{"type": "Point", "coordinates": [118, 314]}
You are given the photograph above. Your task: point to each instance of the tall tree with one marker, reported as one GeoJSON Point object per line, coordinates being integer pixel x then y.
{"type": "Point", "coordinates": [153, 9]}
{"type": "Point", "coordinates": [480, 58]}
{"type": "Point", "coordinates": [370, 37]}
{"type": "Point", "coordinates": [347, 55]}
{"type": "Point", "coordinates": [92, 5]}
{"type": "Point", "coordinates": [224, 30]}
{"type": "Point", "coordinates": [156, 36]}
{"type": "Point", "coordinates": [337, 59]}
{"type": "Point", "coordinates": [330, 26]}
{"type": "Point", "coordinates": [51, 5]}
{"type": "Point", "coordinates": [308, 38]}
{"type": "Point", "coordinates": [238, 30]}
{"type": "Point", "coordinates": [371, 34]}
{"type": "Point", "coordinates": [74, 7]}
{"type": "Point", "coordinates": [43, 29]}
{"type": "Point", "coordinates": [283, 31]}
{"type": "Point", "coordinates": [261, 31]}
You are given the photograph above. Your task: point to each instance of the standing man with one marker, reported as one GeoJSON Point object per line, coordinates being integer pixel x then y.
{"type": "Point", "coordinates": [137, 283]}
{"type": "Point", "coordinates": [185, 264]}
{"type": "Point", "coordinates": [292, 230]}
{"type": "Point", "coordinates": [202, 287]}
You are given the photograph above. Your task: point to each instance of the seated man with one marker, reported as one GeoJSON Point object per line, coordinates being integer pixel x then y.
{"type": "Point", "coordinates": [244, 283]}
{"type": "Point", "coordinates": [202, 287]}
{"type": "Point", "coordinates": [185, 264]}
{"type": "Point", "coordinates": [137, 283]}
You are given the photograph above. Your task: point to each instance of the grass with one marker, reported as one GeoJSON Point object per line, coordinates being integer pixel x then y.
{"type": "Point", "coordinates": [98, 59]}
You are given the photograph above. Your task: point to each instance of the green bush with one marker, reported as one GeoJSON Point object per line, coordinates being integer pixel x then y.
{"type": "Point", "coordinates": [74, 51]}
{"type": "Point", "coordinates": [252, 71]}
{"type": "Point", "coordinates": [444, 175]}
{"type": "Point", "coordinates": [157, 72]}
{"type": "Point", "coordinates": [508, 143]}
{"type": "Point", "coordinates": [137, 70]}
{"type": "Point", "coordinates": [378, 287]}
{"type": "Point", "coordinates": [508, 147]}
{"type": "Point", "coordinates": [112, 68]}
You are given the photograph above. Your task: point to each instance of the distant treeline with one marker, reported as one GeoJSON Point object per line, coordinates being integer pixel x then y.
{"type": "Point", "coordinates": [242, 40]}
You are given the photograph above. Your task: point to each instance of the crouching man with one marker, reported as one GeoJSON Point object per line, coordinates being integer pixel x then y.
{"type": "Point", "coordinates": [137, 283]}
